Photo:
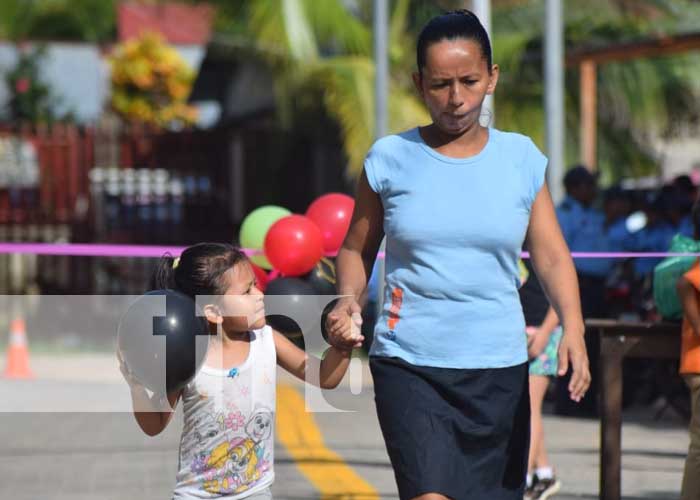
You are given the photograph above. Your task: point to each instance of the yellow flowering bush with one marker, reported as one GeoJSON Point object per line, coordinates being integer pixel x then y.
{"type": "Point", "coordinates": [151, 82]}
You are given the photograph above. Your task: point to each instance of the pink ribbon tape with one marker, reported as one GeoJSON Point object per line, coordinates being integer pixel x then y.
{"type": "Point", "coordinates": [103, 250]}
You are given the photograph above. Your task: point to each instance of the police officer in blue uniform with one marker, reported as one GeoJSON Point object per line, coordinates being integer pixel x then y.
{"type": "Point", "coordinates": [583, 227]}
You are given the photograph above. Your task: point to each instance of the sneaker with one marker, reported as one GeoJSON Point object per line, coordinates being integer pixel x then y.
{"type": "Point", "coordinates": [544, 488]}
{"type": "Point", "coordinates": [529, 491]}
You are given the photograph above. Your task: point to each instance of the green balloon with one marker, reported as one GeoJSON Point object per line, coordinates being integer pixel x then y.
{"type": "Point", "coordinates": [255, 227]}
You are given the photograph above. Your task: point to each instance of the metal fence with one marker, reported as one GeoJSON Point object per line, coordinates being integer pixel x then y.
{"type": "Point", "coordinates": [133, 184]}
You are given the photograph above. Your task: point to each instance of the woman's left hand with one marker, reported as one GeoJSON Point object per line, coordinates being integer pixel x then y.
{"type": "Point", "coordinates": [572, 351]}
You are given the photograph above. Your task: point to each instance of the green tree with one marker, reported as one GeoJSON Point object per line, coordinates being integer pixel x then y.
{"type": "Point", "coordinates": [636, 99]}
{"type": "Point", "coordinates": [320, 53]}
{"type": "Point", "coordinates": [29, 96]}
{"type": "Point", "coordinates": [321, 57]}
{"type": "Point", "coordinates": [67, 20]}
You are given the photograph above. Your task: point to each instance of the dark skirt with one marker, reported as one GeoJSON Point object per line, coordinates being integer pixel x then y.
{"type": "Point", "coordinates": [463, 433]}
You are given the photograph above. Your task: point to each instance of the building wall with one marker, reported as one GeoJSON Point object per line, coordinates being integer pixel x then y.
{"type": "Point", "coordinates": [78, 75]}
{"type": "Point", "coordinates": [680, 156]}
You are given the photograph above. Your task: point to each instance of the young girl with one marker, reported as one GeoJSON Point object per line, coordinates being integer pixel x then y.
{"type": "Point", "coordinates": [227, 444]}
{"type": "Point", "coordinates": [543, 337]}
{"type": "Point", "coordinates": [688, 291]}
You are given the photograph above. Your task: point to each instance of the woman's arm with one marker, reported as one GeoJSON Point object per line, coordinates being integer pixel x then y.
{"type": "Point", "coordinates": [326, 373]}
{"type": "Point", "coordinates": [354, 264]}
{"type": "Point", "coordinates": [552, 262]}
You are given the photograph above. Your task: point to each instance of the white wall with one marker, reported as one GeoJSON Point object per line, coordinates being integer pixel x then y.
{"type": "Point", "coordinates": [78, 75]}
{"type": "Point", "coordinates": [680, 155]}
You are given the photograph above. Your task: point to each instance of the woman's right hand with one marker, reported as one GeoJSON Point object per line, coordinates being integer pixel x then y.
{"type": "Point", "coordinates": [343, 324]}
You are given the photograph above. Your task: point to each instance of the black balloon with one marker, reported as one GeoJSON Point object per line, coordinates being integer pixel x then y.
{"type": "Point", "coordinates": [289, 286]}
{"type": "Point", "coordinates": [163, 351]}
{"type": "Point", "coordinates": [290, 309]}
{"type": "Point", "coordinates": [322, 277]}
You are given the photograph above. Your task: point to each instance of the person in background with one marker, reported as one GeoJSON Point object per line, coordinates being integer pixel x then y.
{"type": "Point", "coordinates": [616, 207]}
{"type": "Point", "coordinates": [543, 336]}
{"type": "Point", "coordinates": [686, 192]}
{"type": "Point", "coordinates": [583, 227]}
{"type": "Point", "coordinates": [656, 235]}
{"type": "Point", "coordinates": [689, 293]}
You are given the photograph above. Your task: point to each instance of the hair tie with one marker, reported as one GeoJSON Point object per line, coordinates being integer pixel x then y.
{"type": "Point", "coordinates": [176, 262]}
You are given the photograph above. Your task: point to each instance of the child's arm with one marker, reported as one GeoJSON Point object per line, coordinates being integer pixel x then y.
{"type": "Point", "coordinates": [326, 373]}
{"type": "Point", "coordinates": [160, 413]}
{"type": "Point", "coordinates": [550, 322]}
{"type": "Point", "coordinates": [152, 413]}
{"type": "Point", "coordinates": [539, 339]}
{"type": "Point", "coordinates": [689, 300]}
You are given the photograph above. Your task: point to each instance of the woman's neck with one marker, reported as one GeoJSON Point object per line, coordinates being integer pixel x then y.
{"type": "Point", "coordinates": [469, 143]}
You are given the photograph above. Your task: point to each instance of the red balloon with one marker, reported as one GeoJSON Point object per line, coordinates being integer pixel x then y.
{"type": "Point", "coordinates": [260, 276]}
{"type": "Point", "coordinates": [332, 213]}
{"type": "Point", "coordinates": [273, 274]}
{"type": "Point", "coordinates": [294, 245]}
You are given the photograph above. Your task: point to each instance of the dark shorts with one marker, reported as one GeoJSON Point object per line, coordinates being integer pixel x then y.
{"type": "Point", "coordinates": [463, 433]}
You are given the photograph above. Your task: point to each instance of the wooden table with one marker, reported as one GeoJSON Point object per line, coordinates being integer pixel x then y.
{"type": "Point", "coordinates": [617, 341]}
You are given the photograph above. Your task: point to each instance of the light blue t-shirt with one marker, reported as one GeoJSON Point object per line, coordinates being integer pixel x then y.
{"type": "Point", "coordinates": [454, 229]}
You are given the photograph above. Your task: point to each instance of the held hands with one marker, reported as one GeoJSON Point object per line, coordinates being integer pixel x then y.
{"type": "Point", "coordinates": [343, 325]}
{"type": "Point", "coordinates": [572, 350]}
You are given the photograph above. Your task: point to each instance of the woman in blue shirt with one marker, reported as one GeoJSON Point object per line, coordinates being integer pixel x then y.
{"type": "Point", "coordinates": [455, 200]}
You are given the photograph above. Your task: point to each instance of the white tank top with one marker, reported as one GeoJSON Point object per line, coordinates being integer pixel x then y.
{"type": "Point", "coordinates": [227, 444]}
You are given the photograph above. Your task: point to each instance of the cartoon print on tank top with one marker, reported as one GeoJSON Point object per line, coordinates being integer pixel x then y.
{"type": "Point", "coordinates": [243, 457]}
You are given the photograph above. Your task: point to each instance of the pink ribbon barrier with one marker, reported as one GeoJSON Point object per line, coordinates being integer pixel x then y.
{"type": "Point", "coordinates": [108, 250]}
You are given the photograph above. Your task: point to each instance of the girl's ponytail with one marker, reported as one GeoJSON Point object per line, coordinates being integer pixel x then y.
{"type": "Point", "coordinates": [164, 274]}
{"type": "Point", "coordinates": [199, 270]}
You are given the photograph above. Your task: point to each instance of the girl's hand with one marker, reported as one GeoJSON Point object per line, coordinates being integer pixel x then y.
{"type": "Point", "coordinates": [572, 349]}
{"type": "Point", "coordinates": [343, 325]}
{"type": "Point", "coordinates": [127, 373]}
{"type": "Point", "coordinates": [536, 342]}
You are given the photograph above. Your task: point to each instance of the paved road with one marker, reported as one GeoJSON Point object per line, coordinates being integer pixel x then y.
{"type": "Point", "coordinates": [98, 451]}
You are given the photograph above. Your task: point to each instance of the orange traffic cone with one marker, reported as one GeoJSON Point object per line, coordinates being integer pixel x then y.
{"type": "Point", "coordinates": [17, 352]}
